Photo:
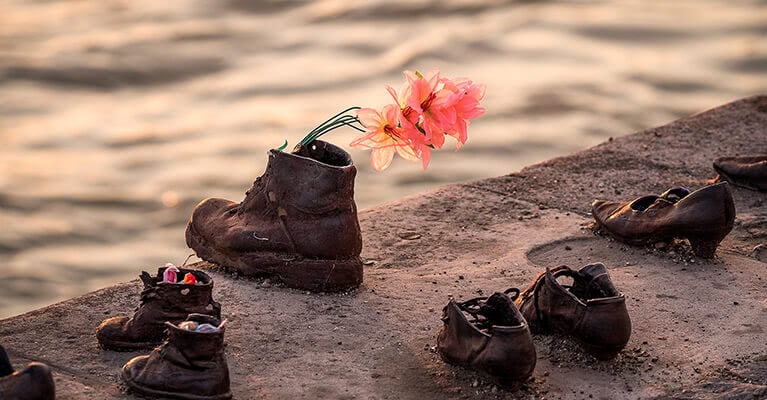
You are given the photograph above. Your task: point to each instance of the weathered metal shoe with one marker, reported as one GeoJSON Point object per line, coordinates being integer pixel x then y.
{"type": "Point", "coordinates": [704, 217]}
{"type": "Point", "coordinates": [34, 382]}
{"type": "Point", "coordinates": [591, 309]}
{"type": "Point", "coordinates": [496, 342]}
{"type": "Point", "coordinates": [160, 302]}
{"type": "Point", "coordinates": [748, 171]}
{"type": "Point", "coordinates": [189, 365]}
{"type": "Point", "coordinates": [297, 223]}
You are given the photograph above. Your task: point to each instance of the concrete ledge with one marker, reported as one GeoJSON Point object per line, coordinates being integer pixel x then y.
{"type": "Point", "coordinates": [699, 326]}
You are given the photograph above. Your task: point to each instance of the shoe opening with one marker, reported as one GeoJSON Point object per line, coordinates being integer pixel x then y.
{"type": "Point", "coordinates": [643, 203]}
{"type": "Point", "coordinates": [496, 310]}
{"type": "Point", "coordinates": [325, 153]}
{"type": "Point", "coordinates": [589, 288]}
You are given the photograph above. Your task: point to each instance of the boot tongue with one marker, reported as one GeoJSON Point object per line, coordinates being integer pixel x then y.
{"type": "Point", "coordinates": [147, 279]}
{"type": "Point", "coordinates": [593, 282]}
{"type": "Point", "coordinates": [498, 309]}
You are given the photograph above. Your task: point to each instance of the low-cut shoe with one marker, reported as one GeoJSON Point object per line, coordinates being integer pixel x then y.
{"type": "Point", "coordinates": [495, 342]}
{"type": "Point", "coordinates": [591, 309]}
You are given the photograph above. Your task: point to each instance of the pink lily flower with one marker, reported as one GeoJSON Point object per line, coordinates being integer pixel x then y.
{"type": "Point", "coordinates": [384, 137]}
{"type": "Point", "coordinates": [428, 108]}
{"type": "Point", "coordinates": [424, 106]}
{"type": "Point", "coordinates": [430, 105]}
{"type": "Point", "coordinates": [464, 99]}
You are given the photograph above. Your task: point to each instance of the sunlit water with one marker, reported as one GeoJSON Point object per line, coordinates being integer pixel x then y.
{"type": "Point", "coordinates": [117, 117]}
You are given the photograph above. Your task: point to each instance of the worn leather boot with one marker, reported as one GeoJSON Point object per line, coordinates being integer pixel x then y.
{"type": "Point", "coordinates": [496, 342]}
{"type": "Point", "coordinates": [297, 223]}
{"type": "Point", "coordinates": [590, 309]}
{"type": "Point", "coordinates": [34, 382]}
{"type": "Point", "coordinates": [160, 302]}
{"type": "Point", "coordinates": [749, 171]}
{"type": "Point", "coordinates": [704, 217]}
{"type": "Point", "coordinates": [188, 365]}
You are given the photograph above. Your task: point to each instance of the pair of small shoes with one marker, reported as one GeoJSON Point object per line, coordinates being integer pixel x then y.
{"type": "Point", "coordinates": [703, 217]}
{"type": "Point", "coordinates": [189, 364]}
{"type": "Point", "coordinates": [497, 342]}
{"type": "Point", "coordinates": [161, 301]}
{"type": "Point", "coordinates": [749, 171]}
{"type": "Point", "coordinates": [34, 382]}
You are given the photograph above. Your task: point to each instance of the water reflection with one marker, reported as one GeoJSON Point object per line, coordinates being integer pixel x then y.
{"type": "Point", "coordinates": [116, 118]}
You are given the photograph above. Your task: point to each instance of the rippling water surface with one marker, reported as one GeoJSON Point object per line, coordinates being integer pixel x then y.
{"type": "Point", "coordinates": [117, 117]}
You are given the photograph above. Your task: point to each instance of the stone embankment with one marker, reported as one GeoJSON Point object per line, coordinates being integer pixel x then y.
{"type": "Point", "coordinates": [699, 326]}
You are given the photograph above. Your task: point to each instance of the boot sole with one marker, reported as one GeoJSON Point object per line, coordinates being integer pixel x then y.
{"type": "Point", "coordinates": [316, 275]}
{"type": "Point", "coordinates": [154, 393]}
{"type": "Point", "coordinates": [507, 382]}
{"type": "Point", "coordinates": [127, 346]}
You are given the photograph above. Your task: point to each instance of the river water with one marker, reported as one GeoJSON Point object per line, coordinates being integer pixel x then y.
{"type": "Point", "coordinates": [118, 116]}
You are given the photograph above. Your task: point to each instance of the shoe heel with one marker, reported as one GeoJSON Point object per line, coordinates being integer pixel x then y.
{"type": "Point", "coordinates": [704, 247]}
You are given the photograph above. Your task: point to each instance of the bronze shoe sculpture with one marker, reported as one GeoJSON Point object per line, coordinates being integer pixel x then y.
{"type": "Point", "coordinates": [189, 365]}
{"type": "Point", "coordinates": [160, 302]}
{"type": "Point", "coordinates": [34, 382]}
{"type": "Point", "coordinates": [496, 342]}
{"type": "Point", "coordinates": [749, 172]}
{"type": "Point", "coordinates": [298, 222]}
{"type": "Point", "coordinates": [704, 217]}
{"type": "Point", "coordinates": [591, 309]}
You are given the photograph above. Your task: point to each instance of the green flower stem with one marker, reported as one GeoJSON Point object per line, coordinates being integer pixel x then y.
{"type": "Point", "coordinates": [346, 120]}
{"type": "Point", "coordinates": [341, 119]}
{"type": "Point", "coordinates": [333, 118]}
{"type": "Point", "coordinates": [334, 122]}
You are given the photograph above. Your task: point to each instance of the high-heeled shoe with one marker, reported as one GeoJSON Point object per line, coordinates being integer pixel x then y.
{"type": "Point", "coordinates": [703, 217]}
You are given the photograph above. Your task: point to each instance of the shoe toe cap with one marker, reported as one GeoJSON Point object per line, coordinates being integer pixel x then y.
{"type": "Point", "coordinates": [133, 367]}
{"type": "Point", "coordinates": [111, 330]}
{"type": "Point", "coordinates": [208, 210]}
{"type": "Point", "coordinates": [602, 209]}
